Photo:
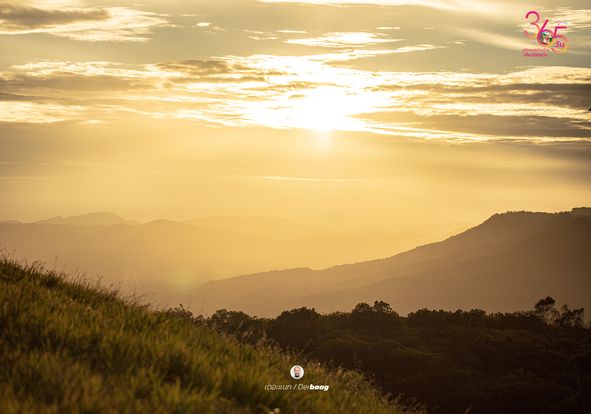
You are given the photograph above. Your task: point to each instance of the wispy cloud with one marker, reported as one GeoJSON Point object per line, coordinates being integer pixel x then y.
{"type": "Point", "coordinates": [430, 3]}
{"type": "Point", "coordinates": [344, 40]}
{"type": "Point", "coordinates": [290, 31]}
{"type": "Point", "coordinates": [37, 112]}
{"type": "Point", "coordinates": [110, 24]}
{"type": "Point", "coordinates": [416, 48]}
{"type": "Point", "coordinates": [514, 41]}
{"type": "Point", "coordinates": [20, 17]}
{"type": "Point", "coordinates": [490, 8]}
{"type": "Point", "coordinates": [575, 19]}
{"type": "Point", "coordinates": [261, 35]}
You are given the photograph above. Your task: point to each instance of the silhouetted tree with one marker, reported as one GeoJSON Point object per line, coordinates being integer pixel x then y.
{"type": "Point", "coordinates": [382, 307]}
{"type": "Point", "coordinates": [545, 310]}
{"type": "Point", "coordinates": [232, 322]}
{"type": "Point", "coordinates": [570, 317]}
{"type": "Point", "coordinates": [297, 328]}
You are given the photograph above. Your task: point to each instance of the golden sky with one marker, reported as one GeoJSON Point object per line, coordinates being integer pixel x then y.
{"type": "Point", "coordinates": [336, 113]}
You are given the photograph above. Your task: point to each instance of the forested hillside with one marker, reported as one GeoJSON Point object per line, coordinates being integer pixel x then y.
{"type": "Point", "coordinates": [536, 361]}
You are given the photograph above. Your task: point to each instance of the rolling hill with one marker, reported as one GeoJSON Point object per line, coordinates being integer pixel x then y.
{"type": "Point", "coordinates": [503, 264]}
{"type": "Point", "coordinates": [67, 346]}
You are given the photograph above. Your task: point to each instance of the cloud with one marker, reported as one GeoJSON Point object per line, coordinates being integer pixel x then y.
{"type": "Point", "coordinates": [110, 24]}
{"type": "Point", "coordinates": [197, 67]}
{"type": "Point", "coordinates": [19, 17]}
{"type": "Point", "coordinates": [416, 48]}
{"type": "Point", "coordinates": [14, 97]}
{"type": "Point", "coordinates": [516, 41]}
{"type": "Point", "coordinates": [211, 71]}
{"type": "Point", "coordinates": [575, 19]}
{"type": "Point", "coordinates": [487, 8]}
{"type": "Point", "coordinates": [78, 76]}
{"type": "Point", "coordinates": [428, 3]}
{"type": "Point", "coordinates": [570, 95]}
{"type": "Point", "coordinates": [260, 35]}
{"type": "Point", "coordinates": [309, 92]}
{"type": "Point", "coordinates": [37, 113]}
{"type": "Point", "coordinates": [289, 31]}
{"type": "Point", "coordinates": [343, 40]}
{"type": "Point", "coordinates": [348, 55]}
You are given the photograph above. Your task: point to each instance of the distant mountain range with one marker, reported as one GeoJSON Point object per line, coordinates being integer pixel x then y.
{"type": "Point", "coordinates": [101, 218]}
{"type": "Point", "coordinates": [504, 264]}
{"type": "Point", "coordinates": [164, 257]}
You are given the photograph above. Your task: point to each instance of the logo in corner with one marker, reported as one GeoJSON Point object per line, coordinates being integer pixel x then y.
{"type": "Point", "coordinates": [547, 38]}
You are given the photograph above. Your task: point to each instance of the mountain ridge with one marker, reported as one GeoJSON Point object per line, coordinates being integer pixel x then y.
{"type": "Point", "coordinates": [495, 237]}
{"type": "Point", "coordinates": [97, 218]}
{"type": "Point", "coordinates": [161, 257]}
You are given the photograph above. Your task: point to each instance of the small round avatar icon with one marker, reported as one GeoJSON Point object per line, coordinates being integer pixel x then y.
{"type": "Point", "coordinates": [546, 37]}
{"type": "Point", "coordinates": [296, 372]}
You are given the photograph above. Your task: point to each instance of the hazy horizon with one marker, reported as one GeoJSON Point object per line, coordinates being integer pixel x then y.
{"type": "Point", "coordinates": [186, 220]}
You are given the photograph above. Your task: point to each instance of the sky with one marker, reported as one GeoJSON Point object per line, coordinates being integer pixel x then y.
{"type": "Point", "coordinates": [335, 113]}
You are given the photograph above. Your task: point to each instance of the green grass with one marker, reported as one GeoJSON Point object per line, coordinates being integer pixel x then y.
{"type": "Point", "coordinates": [70, 347]}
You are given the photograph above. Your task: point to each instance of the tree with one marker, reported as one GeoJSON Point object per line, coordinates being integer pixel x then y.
{"type": "Point", "coordinates": [545, 310]}
{"type": "Point", "coordinates": [231, 321]}
{"type": "Point", "coordinates": [380, 314]}
{"type": "Point", "coordinates": [297, 328]}
{"type": "Point", "coordinates": [362, 308]}
{"type": "Point", "coordinates": [382, 307]}
{"type": "Point", "coordinates": [570, 317]}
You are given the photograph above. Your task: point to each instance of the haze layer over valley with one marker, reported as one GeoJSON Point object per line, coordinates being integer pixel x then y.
{"type": "Point", "coordinates": [164, 258]}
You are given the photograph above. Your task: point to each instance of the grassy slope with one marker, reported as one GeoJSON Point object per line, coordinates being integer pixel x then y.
{"type": "Point", "coordinates": [69, 347]}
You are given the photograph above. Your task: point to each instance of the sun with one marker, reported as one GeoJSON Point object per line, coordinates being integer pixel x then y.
{"type": "Point", "coordinates": [323, 110]}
